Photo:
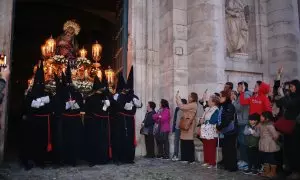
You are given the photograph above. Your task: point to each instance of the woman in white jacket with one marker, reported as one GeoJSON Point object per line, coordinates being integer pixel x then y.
{"type": "Point", "coordinates": [208, 131]}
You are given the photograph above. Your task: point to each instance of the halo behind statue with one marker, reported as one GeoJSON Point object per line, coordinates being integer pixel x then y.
{"type": "Point", "coordinates": [73, 24]}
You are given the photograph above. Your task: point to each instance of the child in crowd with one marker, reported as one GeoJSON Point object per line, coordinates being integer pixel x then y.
{"type": "Point", "coordinates": [252, 138]}
{"type": "Point", "coordinates": [268, 145]}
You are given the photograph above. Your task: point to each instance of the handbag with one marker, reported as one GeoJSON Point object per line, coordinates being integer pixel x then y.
{"type": "Point", "coordinates": [186, 122]}
{"type": "Point", "coordinates": [144, 131]}
{"type": "Point", "coordinates": [230, 126]}
{"type": "Point", "coordinates": [208, 131]}
{"type": "Point", "coordinates": [285, 126]}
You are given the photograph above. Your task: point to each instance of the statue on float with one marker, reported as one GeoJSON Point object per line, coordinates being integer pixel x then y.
{"type": "Point", "coordinates": [66, 43]}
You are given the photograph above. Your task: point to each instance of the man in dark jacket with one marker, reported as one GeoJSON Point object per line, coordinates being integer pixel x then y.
{"type": "Point", "coordinates": [242, 112]}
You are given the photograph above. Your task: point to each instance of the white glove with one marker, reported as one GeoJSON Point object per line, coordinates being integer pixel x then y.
{"type": "Point", "coordinates": [251, 131]}
{"type": "Point", "coordinates": [106, 105]}
{"type": "Point", "coordinates": [35, 104]}
{"type": "Point", "coordinates": [128, 106]}
{"type": "Point", "coordinates": [72, 105]}
{"type": "Point", "coordinates": [137, 102]}
{"type": "Point", "coordinates": [116, 96]}
{"type": "Point", "coordinates": [45, 99]}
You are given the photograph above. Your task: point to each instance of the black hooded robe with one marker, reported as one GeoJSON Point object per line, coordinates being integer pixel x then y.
{"type": "Point", "coordinates": [37, 131]}
{"type": "Point", "coordinates": [124, 139]}
{"type": "Point", "coordinates": [97, 130]}
{"type": "Point", "coordinates": [72, 128]}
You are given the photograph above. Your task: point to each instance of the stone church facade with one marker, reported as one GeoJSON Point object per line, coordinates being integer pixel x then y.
{"type": "Point", "coordinates": [185, 45]}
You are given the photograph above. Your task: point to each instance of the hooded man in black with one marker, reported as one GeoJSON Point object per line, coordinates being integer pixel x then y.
{"type": "Point", "coordinates": [97, 124]}
{"type": "Point", "coordinates": [37, 141]}
{"type": "Point", "coordinates": [127, 103]}
{"type": "Point", "coordinates": [58, 107]}
{"type": "Point", "coordinates": [72, 127]}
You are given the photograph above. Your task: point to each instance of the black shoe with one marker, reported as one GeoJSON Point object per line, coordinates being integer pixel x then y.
{"type": "Point", "coordinates": [255, 172]}
{"type": "Point", "coordinates": [166, 157]}
{"type": "Point", "coordinates": [92, 164]}
{"type": "Point", "coordinates": [248, 172]}
{"type": "Point", "coordinates": [28, 167]}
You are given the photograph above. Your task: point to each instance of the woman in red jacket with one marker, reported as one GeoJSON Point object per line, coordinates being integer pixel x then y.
{"type": "Point", "coordinates": [259, 102]}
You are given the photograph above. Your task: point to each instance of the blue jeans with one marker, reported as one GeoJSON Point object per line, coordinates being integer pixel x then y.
{"type": "Point", "coordinates": [242, 144]}
{"type": "Point", "coordinates": [176, 142]}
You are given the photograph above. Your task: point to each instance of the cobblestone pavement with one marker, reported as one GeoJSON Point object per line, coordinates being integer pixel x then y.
{"type": "Point", "coordinates": [143, 169]}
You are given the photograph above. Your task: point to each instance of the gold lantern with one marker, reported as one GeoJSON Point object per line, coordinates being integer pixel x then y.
{"type": "Point", "coordinates": [82, 52]}
{"type": "Point", "coordinates": [110, 75]}
{"type": "Point", "coordinates": [96, 51]}
{"type": "Point", "coordinates": [50, 46]}
{"type": "Point", "coordinates": [44, 50]}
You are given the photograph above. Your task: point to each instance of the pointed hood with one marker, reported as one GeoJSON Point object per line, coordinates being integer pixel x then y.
{"type": "Point", "coordinates": [39, 77]}
{"type": "Point", "coordinates": [104, 81]}
{"type": "Point", "coordinates": [130, 79]}
{"type": "Point", "coordinates": [68, 74]}
{"type": "Point", "coordinates": [97, 84]}
{"type": "Point", "coordinates": [63, 79]}
{"type": "Point", "coordinates": [38, 87]}
{"type": "Point", "coordinates": [58, 84]}
{"type": "Point", "coordinates": [121, 82]}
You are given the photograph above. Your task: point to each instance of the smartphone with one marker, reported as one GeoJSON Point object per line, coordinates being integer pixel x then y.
{"type": "Point", "coordinates": [205, 90]}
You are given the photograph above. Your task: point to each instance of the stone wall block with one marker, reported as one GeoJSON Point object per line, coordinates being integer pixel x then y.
{"type": "Point", "coordinates": [179, 17]}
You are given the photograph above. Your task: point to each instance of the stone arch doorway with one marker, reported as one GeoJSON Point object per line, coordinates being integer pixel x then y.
{"type": "Point", "coordinates": [31, 21]}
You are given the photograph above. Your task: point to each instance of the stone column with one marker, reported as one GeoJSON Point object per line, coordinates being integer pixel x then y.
{"type": "Point", "coordinates": [173, 49]}
{"type": "Point", "coordinates": [143, 55]}
{"type": "Point", "coordinates": [6, 14]}
{"type": "Point", "coordinates": [283, 37]}
{"type": "Point", "coordinates": [205, 45]}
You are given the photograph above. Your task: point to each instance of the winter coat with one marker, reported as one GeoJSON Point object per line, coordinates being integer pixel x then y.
{"type": "Point", "coordinates": [175, 119]}
{"type": "Point", "coordinates": [258, 103]}
{"type": "Point", "coordinates": [242, 111]}
{"type": "Point", "coordinates": [189, 110]}
{"type": "Point", "coordinates": [149, 121]}
{"type": "Point", "coordinates": [251, 139]}
{"type": "Point", "coordinates": [163, 117]}
{"type": "Point", "coordinates": [227, 115]}
{"type": "Point", "coordinates": [290, 103]}
{"type": "Point", "coordinates": [268, 138]}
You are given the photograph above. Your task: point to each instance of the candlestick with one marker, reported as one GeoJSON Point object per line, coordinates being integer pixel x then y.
{"type": "Point", "coordinates": [4, 60]}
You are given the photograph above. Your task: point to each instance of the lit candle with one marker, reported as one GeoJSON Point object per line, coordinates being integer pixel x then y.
{"type": "Point", "coordinates": [4, 60]}
{"type": "Point", "coordinates": [83, 52]}
{"type": "Point", "coordinates": [96, 51]}
{"type": "Point", "coordinates": [50, 45]}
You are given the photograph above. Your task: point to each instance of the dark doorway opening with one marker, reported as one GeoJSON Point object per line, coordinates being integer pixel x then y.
{"type": "Point", "coordinates": [37, 20]}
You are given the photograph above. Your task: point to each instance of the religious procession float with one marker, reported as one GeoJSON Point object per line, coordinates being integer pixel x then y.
{"type": "Point", "coordinates": [58, 53]}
